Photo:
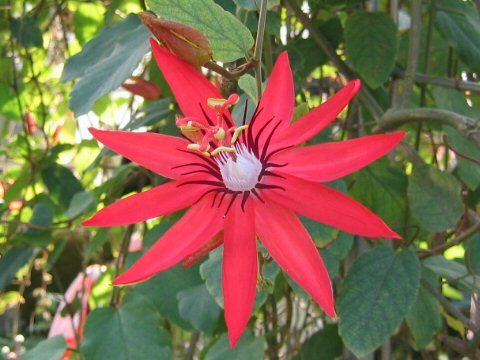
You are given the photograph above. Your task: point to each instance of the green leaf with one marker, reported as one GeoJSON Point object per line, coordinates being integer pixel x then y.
{"type": "Point", "coordinates": [211, 272]}
{"type": "Point", "coordinates": [162, 290]}
{"type": "Point", "coordinates": [255, 4]}
{"type": "Point", "coordinates": [105, 62]}
{"type": "Point", "coordinates": [379, 290]}
{"type": "Point", "coordinates": [472, 255]}
{"type": "Point", "coordinates": [456, 101]}
{"type": "Point", "coordinates": [152, 114]}
{"type": "Point", "coordinates": [49, 349]}
{"type": "Point", "coordinates": [248, 347]}
{"type": "Point", "coordinates": [371, 41]}
{"type": "Point", "coordinates": [229, 38]}
{"type": "Point", "coordinates": [455, 272]}
{"type": "Point", "coordinates": [26, 32]}
{"type": "Point", "coordinates": [434, 198]}
{"type": "Point", "coordinates": [323, 345]}
{"type": "Point", "coordinates": [42, 216]}
{"type": "Point", "coordinates": [459, 23]}
{"type": "Point", "coordinates": [300, 50]}
{"type": "Point", "coordinates": [61, 183]}
{"type": "Point", "coordinates": [249, 86]}
{"type": "Point", "coordinates": [12, 261]}
{"type": "Point", "coordinates": [81, 202]}
{"type": "Point", "coordinates": [336, 251]}
{"type": "Point", "coordinates": [197, 306]}
{"type": "Point", "coordinates": [130, 332]}
{"type": "Point", "coordinates": [424, 318]}
{"type": "Point", "coordinates": [382, 188]}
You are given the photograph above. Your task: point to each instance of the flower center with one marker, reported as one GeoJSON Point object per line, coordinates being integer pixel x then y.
{"type": "Point", "coordinates": [240, 171]}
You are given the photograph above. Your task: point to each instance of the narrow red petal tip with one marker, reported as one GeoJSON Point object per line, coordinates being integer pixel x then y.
{"type": "Point", "coordinates": [87, 222]}
{"type": "Point", "coordinates": [396, 236]}
{"type": "Point", "coordinates": [234, 336]}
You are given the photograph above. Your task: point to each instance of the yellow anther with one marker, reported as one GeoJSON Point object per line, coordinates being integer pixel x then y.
{"type": "Point", "coordinates": [196, 147]}
{"type": "Point", "coordinates": [222, 149]}
{"type": "Point", "coordinates": [214, 103]}
{"type": "Point", "coordinates": [237, 132]}
{"type": "Point", "coordinates": [223, 103]}
{"type": "Point", "coordinates": [220, 134]}
{"type": "Point", "coordinates": [188, 127]}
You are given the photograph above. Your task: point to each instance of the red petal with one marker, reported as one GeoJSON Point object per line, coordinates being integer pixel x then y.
{"type": "Point", "coordinates": [188, 85]}
{"type": "Point", "coordinates": [330, 161]}
{"type": "Point", "coordinates": [155, 152]}
{"type": "Point", "coordinates": [317, 119]}
{"type": "Point", "coordinates": [158, 201]}
{"type": "Point", "coordinates": [289, 243]}
{"type": "Point", "coordinates": [200, 223]}
{"type": "Point", "coordinates": [327, 206]}
{"type": "Point", "coordinates": [278, 100]}
{"type": "Point", "coordinates": [239, 277]}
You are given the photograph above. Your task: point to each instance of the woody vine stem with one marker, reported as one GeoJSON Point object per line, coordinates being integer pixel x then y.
{"type": "Point", "coordinates": [257, 54]}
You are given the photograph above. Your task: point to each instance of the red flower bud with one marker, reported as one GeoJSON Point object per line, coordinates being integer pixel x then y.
{"type": "Point", "coordinates": [143, 88]}
{"type": "Point", "coordinates": [182, 40]}
{"type": "Point", "coordinates": [30, 123]}
{"type": "Point", "coordinates": [57, 132]}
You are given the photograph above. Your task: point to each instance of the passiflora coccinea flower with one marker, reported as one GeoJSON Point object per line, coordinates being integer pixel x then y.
{"type": "Point", "coordinates": [244, 181]}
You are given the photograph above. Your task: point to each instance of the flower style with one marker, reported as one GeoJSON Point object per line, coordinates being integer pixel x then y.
{"type": "Point", "coordinates": [243, 182]}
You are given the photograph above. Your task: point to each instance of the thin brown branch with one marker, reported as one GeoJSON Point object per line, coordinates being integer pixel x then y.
{"type": "Point", "coordinates": [468, 127]}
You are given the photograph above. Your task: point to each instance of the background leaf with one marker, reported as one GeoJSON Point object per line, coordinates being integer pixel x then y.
{"type": "Point", "coordinates": [50, 349]}
{"type": "Point", "coordinates": [106, 62]}
{"type": "Point", "coordinates": [371, 41]}
{"type": "Point", "coordinates": [248, 347]}
{"type": "Point", "coordinates": [379, 290]}
{"type": "Point", "coordinates": [434, 198]}
{"type": "Point", "coordinates": [130, 332]}
{"type": "Point", "coordinates": [459, 23]}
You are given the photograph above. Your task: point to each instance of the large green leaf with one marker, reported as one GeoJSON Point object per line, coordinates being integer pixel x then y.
{"type": "Point", "coordinates": [197, 306]}
{"type": "Point", "coordinates": [382, 188]}
{"type": "Point", "coordinates": [131, 332]}
{"type": "Point", "coordinates": [12, 261]}
{"type": "Point", "coordinates": [371, 41]}
{"type": "Point", "coordinates": [434, 198]}
{"type": "Point", "coordinates": [379, 290]}
{"type": "Point", "coordinates": [163, 288]}
{"type": "Point", "coordinates": [459, 23]}
{"type": "Point", "coordinates": [248, 347]}
{"type": "Point", "coordinates": [50, 349]}
{"type": "Point", "coordinates": [424, 318]}
{"type": "Point", "coordinates": [61, 183]}
{"type": "Point", "coordinates": [105, 62]}
{"type": "Point", "coordinates": [323, 345]}
{"type": "Point", "coordinates": [81, 203]}
{"type": "Point", "coordinates": [229, 38]}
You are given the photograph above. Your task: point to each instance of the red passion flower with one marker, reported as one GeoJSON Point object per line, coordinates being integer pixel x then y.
{"type": "Point", "coordinates": [244, 181]}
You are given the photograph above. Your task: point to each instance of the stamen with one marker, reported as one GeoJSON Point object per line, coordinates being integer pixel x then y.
{"type": "Point", "coordinates": [220, 149]}
{"type": "Point", "coordinates": [237, 132]}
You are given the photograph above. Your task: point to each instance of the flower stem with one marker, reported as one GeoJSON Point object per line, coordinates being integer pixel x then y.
{"type": "Point", "coordinates": [257, 54]}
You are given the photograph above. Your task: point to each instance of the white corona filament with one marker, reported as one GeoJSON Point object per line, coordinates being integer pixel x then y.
{"type": "Point", "coordinates": [242, 173]}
